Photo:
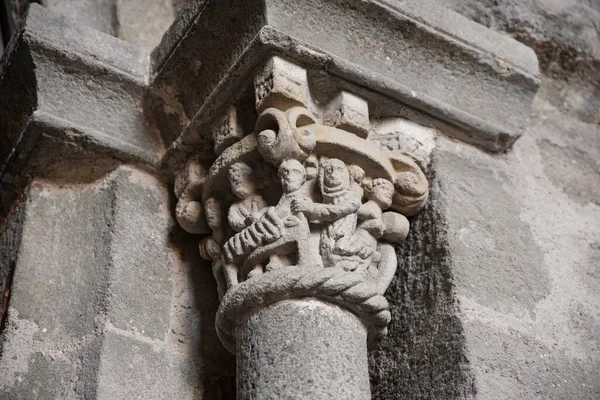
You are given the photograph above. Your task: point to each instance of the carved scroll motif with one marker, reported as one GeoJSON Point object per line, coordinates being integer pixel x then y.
{"type": "Point", "coordinates": [301, 208]}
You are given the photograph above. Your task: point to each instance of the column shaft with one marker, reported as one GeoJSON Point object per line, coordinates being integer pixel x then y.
{"type": "Point", "coordinates": [302, 349]}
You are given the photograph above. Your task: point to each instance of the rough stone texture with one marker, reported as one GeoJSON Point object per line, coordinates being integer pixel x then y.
{"type": "Point", "coordinates": [315, 211]}
{"type": "Point", "coordinates": [11, 232]}
{"type": "Point", "coordinates": [420, 55]}
{"type": "Point", "coordinates": [65, 86]}
{"type": "Point", "coordinates": [524, 254]}
{"type": "Point", "coordinates": [523, 229]}
{"type": "Point", "coordinates": [564, 35]}
{"type": "Point", "coordinates": [142, 22]}
{"type": "Point", "coordinates": [424, 355]}
{"type": "Point", "coordinates": [498, 285]}
{"type": "Point", "coordinates": [497, 290]}
{"type": "Point", "coordinates": [302, 349]}
{"type": "Point", "coordinates": [121, 307]}
{"type": "Point", "coordinates": [97, 14]}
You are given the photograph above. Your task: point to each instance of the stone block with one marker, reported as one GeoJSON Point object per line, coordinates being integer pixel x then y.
{"type": "Point", "coordinates": [280, 84]}
{"type": "Point", "coordinates": [417, 54]}
{"type": "Point", "coordinates": [66, 83]}
{"type": "Point", "coordinates": [63, 295]}
{"type": "Point", "coordinates": [140, 277]}
{"type": "Point", "coordinates": [143, 22]}
{"type": "Point", "coordinates": [133, 367]}
{"type": "Point", "coordinates": [91, 258]}
{"type": "Point", "coordinates": [497, 259]}
{"type": "Point", "coordinates": [97, 14]}
{"type": "Point", "coordinates": [227, 130]}
{"type": "Point", "coordinates": [349, 112]}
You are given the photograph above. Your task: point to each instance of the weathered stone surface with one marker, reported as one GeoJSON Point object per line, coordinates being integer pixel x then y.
{"type": "Point", "coordinates": [424, 355]}
{"type": "Point", "coordinates": [143, 22]}
{"type": "Point", "coordinates": [280, 83]}
{"type": "Point", "coordinates": [97, 14]}
{"type": "Point", "coordinates": [303, 350]}
{"type": "Point", "coordinates": [497, 286]}
{"type": "Point", "coordinates": [349, 112]}
{"type": "Point", "coordinates": [564, 35]}
{"type": "Point", "coordinates": [11, 232]}
{"type": "Point", "coordinates": [321, 228]}
{"type": "Point", "coordinates": [527, 299]}
{"type": "Point", "coordinates": [62, 67]}
{"type": "Point", "coordinates": [428, 67]}
{"type": "Point", "coordinates": [120, 298]}
{"type": "Point", "coordinates": [67, 86]}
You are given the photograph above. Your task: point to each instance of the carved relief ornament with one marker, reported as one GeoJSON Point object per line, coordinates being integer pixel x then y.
{"type": "Point", "coordinates": [304, 206]}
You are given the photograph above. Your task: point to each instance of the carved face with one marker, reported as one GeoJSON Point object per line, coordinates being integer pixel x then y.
{"type": "Point", "coordinates": [336, 173]}
{"type": "Point", "coordinates": [382, 192]}
{"type": "Point", "coordinates": [240, 180]}
{"type": "Point", "coordinates": [292, 175]}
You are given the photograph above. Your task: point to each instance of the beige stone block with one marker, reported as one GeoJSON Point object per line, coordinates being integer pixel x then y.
{"type": "Point", "coordinates": [280, 84]}
{"type": "Point", "coordinates": [349, 112]}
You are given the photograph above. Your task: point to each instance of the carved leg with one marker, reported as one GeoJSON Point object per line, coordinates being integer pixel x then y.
{"type": "Point", "coordinates": [304, 253]}
{"type": "Point", "coordinates": [219, 273]}
{"type": "Point", "coordinates": [231, 275]}
{"type": "Point", "coordinates": [387, 267]}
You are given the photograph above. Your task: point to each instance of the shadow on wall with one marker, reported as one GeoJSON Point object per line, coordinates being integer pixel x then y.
{"type": "Point", "coordinates": [11, 234]}
{"type": "Point", "coordinates": [424, 354]}
{"type": "Point", "coordinates": [208, 366]}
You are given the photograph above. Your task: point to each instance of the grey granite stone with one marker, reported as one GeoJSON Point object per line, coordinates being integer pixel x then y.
{"type": "Point", "coordinates": [425, 354]}
{"type": "Point", "coordinates": [302, 349]}
{"type": "Point", "coordinates": [497, 290]}
{"type": "Point", "coordinates": [97, 14]}
{"type": "Point", "coordinates": [143, 22]}
{"type": "Point", "coordinates": [66, 86]}
{"type": "Point", "coordinates": [522, 244]}
{"type": "Point", "coordinates": [564, 35]}
{"type": "Point", "coordinates": [427, 62]}
{"type": "Point", "coordinates": [97, 287]}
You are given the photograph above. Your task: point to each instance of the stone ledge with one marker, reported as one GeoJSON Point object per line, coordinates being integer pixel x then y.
{"type": "Point", "coordinates": [474, 84]}
{"type": "Point", "coordinates": [51, 30]}
{"type": "Point", "coordinates": [64, 97]}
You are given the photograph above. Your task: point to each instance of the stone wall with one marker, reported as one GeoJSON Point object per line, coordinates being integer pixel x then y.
{"type": "Point", "coordinates": [523, 228]}
{"type": "Point", "coordinates": [508, 308]}
{"type": "Point", "coordinates": [497, 290]}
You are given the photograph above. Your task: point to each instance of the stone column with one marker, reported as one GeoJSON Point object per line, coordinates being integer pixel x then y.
{"type": "Point", "coordinates": [302, 349]}
{"type": "Point", "coordinates": [298, 135]}
{"type": "Point", "coordinates": [300, 235]}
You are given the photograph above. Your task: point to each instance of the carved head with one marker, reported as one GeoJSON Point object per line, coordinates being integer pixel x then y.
{"type": "Point", "coordinates": [381, 192]}
{"type": "Point", "coordinates": [241, 180]}
{"type": "Point", "coordinates": [356, 173]}
{"type": "Point", "coordinates": [292, 175]}
{"type": "Point", "coordinates": [335, 175]}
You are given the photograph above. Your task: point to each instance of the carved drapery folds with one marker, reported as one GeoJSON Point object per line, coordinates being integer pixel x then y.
{"type": "Point", "coordinates": [304, 206]}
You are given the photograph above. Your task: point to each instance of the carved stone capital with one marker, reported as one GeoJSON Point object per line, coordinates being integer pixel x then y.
{"type": "Point", "coordinates": [305, 205]}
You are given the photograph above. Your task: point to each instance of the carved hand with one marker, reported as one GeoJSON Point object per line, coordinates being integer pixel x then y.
{"type": "Point", "coordinates": [301, 206]}
{"type": "Point", "coordinates": [291, 221]}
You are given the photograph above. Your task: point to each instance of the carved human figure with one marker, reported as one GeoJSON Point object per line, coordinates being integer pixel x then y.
{"type": "Point", "coordinates": [357, 175]}
{"type": "Point", "coordinates": [268, 237]}
{"type": "Point", "coordinates": [337, 213]}
{"type": "Point", "coordinates": [250, 204]}
{"type": "Point", "coordinates": [292, 175]}
{"type": "Point", "coordinates": [362, 245]}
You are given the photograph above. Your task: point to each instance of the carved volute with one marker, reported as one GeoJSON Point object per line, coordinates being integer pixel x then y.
{"type": "Point", "coordinates": [305, 206]}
